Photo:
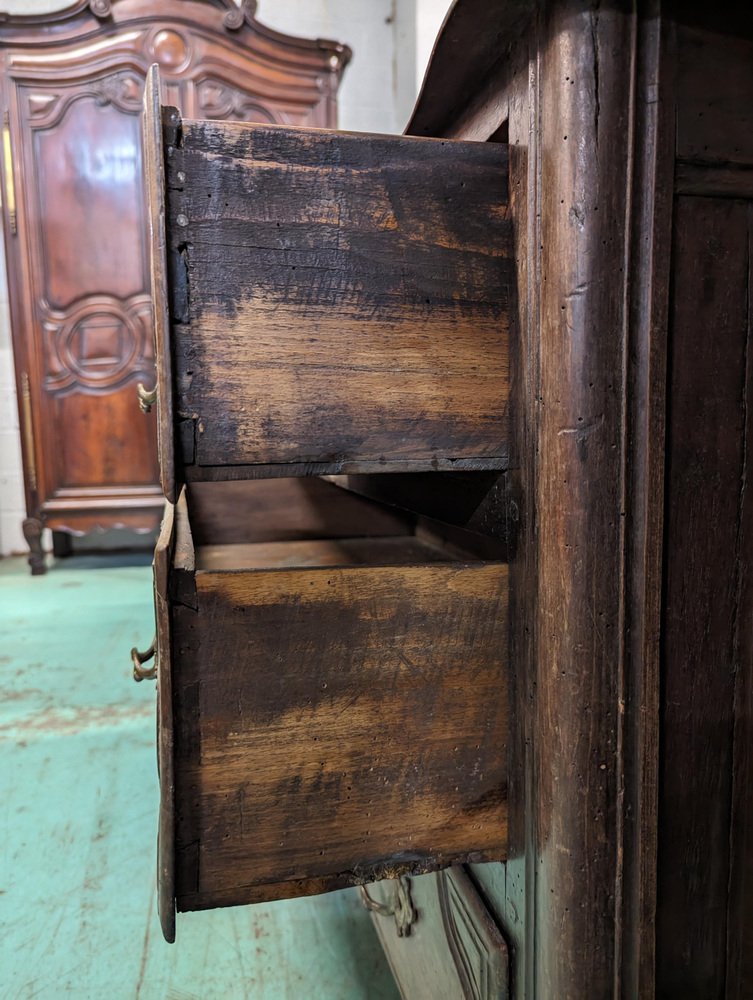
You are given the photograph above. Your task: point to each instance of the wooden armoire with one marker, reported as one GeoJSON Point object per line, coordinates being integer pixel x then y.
{"type": "Point", "coordinates": [518, 692]}
{"type": "Point", "coordinates": [71, 87]}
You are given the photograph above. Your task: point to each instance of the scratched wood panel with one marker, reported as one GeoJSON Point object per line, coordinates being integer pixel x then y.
{"type": "Point", "coordinates": [359, 287]}
{"type": "Point", "coordinates": [334, 724]}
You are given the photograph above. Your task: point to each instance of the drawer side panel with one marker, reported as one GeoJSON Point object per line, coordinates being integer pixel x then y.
{"type": "Point", "coordinates": [339, 724]}
{"type": "Point", "coordinates": [348, 300]}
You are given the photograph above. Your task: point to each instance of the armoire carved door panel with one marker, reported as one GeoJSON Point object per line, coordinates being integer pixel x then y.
{"type": "Point", "coordinates": [75, 224]}
{"type": "Point", "coordinates": [82, 199]}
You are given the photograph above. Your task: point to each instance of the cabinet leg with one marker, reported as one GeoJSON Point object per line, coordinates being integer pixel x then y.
{"type": "Point", "coordinates": [32, 528]}
{"type": "Point", "coordinates": [62, 544]}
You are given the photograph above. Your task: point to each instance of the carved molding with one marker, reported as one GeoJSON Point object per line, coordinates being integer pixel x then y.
{"type": "Point", "coordinates": [98, 345]}
{"type": "Point", "coordinates": [477, 948]}
{"type": "Point", "coordinates": [237, 14]}
{"type": "Point", "coordinates": [219, 17]}
{"type": "Point", "coordinates": [124, 89]}
{"type": "Point", "coordinates": [100, 8]}
{"type": "Point", "coordinates": [41, 104]}
{"type": "Point", "coordinates": [217, 100]}
{"type": "Point", "coordinates": [170, 48]}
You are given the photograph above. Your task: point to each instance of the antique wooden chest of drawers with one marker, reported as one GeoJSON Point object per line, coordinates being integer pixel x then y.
{"type": "Point", "coordinates": [331, 671]}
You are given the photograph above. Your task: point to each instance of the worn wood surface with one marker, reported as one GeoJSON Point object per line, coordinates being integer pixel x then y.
{"type": "Point", "coordinates": [335, 723]}
{"type": "Point", "coordinates": [267, 510]}
{"type": "Point", "coordinates": [704, 621]}
{"type": "Point", "coordinates": [579, 498]}
{"type": "Point", "coordinates": [359, 286]}
{"type": "Point", "coordinates": [334, 552]}
{"type": "Point", "coordinates": [165, 726]}
{"type": "Point", "coordinates": [477, 40]}
{"type": "Point", "coordinates": [154, 180]}
{"type": "Point", "coordinates": [576, 895]}
{"type": "Point", "coordinates": [623, 633]}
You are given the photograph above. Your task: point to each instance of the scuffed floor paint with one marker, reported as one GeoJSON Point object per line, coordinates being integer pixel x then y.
{"type": "Point", "coordinates": [78, 797]}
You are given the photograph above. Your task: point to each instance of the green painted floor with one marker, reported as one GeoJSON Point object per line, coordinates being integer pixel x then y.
{"type": "Point", "coordinates": [78, 793]}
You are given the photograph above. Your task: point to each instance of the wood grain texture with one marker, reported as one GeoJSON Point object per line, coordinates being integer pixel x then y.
{"type": "Point", "coordinates": [579, 498]}
{"type": "Point", "coordinates": [720, 180]}
{"type": "Point", "coordinates": [359, 286]}
{"type": "Point", "coordinates": [609, 108]}
{"type": "Point", "coordinates": [165, 727]}
{"type": "Point", "coordinates": [739, 973]}
{"type": "Point", "coordinates": [278, 510]}
{"type": "Point", "coordinates": [336, 723]}
{"type": "Point", "coordinates": [154, 177]}
{"type": "Point", "coordinates": [713, 115]}
{"type": "Point", "coordinates": [704, 621]}
{"type": "Point", "coordinates": [399, 551]}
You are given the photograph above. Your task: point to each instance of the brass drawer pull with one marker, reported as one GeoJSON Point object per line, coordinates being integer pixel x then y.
{"type": "Point", "coordinates": [141, 673]}
{"type": "Point", "coordinates": [401, 907]}
{"type": "Point", "coordinates": [147, 397]}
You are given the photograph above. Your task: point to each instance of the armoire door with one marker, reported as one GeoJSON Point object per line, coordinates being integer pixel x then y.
{"type": "Point", "coordinates": [75, 225]}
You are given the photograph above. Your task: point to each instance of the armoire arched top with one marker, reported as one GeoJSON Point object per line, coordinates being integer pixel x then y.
{"type": "Point", "coordinates": [212, 54]}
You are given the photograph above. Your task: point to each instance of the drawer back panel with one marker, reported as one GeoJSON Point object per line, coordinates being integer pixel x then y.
{"type": "Point", "coordinates": [279, 510]}
{"type": "Point", "coordinates": [339, 302]}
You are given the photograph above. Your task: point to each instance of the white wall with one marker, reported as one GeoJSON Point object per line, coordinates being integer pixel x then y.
{"type": "Point", "coordinates": [429, 17]}
{"type": "Point", "coordinates": [391, 42]}
{"type": "Point", "coordinates": [368, 97]}
{"type": "Point", "coordinates": [12, 504]}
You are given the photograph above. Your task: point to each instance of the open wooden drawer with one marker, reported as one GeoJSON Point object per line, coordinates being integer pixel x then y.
{"type": "Point", "coordinates": [326, 302]}
{"type": "Point", "coordinates": [332, 706]}
{"type": "Point", "coordinates": [332, 673]}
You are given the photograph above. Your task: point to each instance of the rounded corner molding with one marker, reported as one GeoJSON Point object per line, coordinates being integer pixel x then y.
{"type": "Point", "coordinates": [100, 8]}
{"type": "Point", "coordinates": [171, 49]}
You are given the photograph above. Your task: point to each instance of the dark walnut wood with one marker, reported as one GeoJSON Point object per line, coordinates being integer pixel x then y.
{"type": "Point", "coordinates": [334, 667]}
{"type": "Point", "coordinates": [75, 229]}
{"type": "Point", "coordinates": [630, 802]}
{"type": "Point", "coordinates": [336, 701]}
{"type": "Point", "coordinates": [359, 287]}
{"type": "Point", "coordinates": [707, 626]}
{"type": "Point", "coordinates": [627, 804]}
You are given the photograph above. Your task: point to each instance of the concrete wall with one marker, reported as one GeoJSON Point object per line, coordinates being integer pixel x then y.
{"type": "Point", "coordinates": [391, 41]}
